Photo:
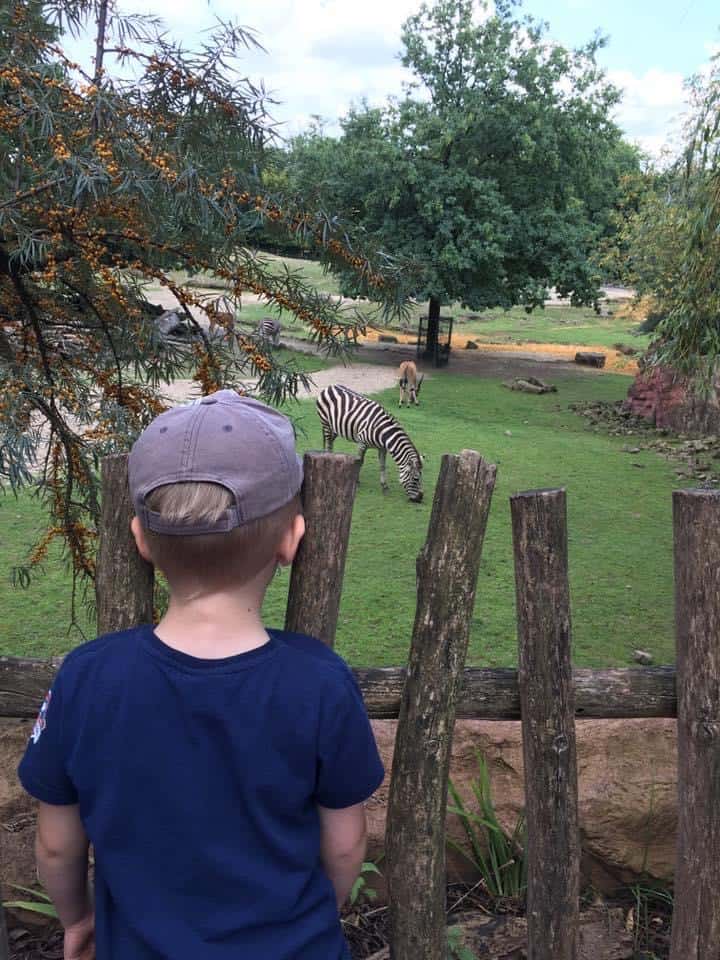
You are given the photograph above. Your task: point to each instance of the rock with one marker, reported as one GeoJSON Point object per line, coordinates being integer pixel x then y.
{"type": "Point", "coordinates": [387, 338]}
{"type": "Point", "coordinates": [627, 784]}
{"type": "Point", "coordinates": [172, 324]}
{"type": "Point", "coordinates": [529, 385]}
{"type": "Point", "coordinates": [627, 794]}
{"type": "Point", "coordinates": [471, 345]}
{"type": "Point", "coordinates": [508, 433]}
{"type": "Point", "coordinates": [589, 359]}
{"type": "Point", "coordinates": [626, 350]}
{"type": "Point", "coordinates": [631, 449]}
{"type": "Point", "coordinates": [668, 401]}
{"type": "Point", "coordinates": [642, 656]}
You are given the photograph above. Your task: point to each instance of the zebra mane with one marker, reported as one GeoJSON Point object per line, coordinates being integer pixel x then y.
{"type": "Point", "coordinates": [362, 396]}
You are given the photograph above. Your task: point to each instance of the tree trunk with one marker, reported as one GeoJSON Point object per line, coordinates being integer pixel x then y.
{"type": "Point", "coordinates": [100, 41]}
{"type": "Point", "coordinates": [433, 329]}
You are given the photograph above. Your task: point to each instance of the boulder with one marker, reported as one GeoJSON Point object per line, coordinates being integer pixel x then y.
{"type": "Point", "coordinates": [627, 783]}
{"type": "Point", "coordinates": [669, 401]}
{"type": "Point", "coordinates": [171, 323]}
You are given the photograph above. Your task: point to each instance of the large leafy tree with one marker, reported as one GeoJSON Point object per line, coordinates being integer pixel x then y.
{"type": "Point", "coordinates": [687, 281]}
{"type": "Point", "coordinates": [109, 183]}
{"type": "Point", "coordinates": [496, 172]}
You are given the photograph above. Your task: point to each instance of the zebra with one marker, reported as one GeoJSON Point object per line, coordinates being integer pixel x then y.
{"type": "Point", "coordinates": [269, 329]}
{"type": "Point", "coordinates": [409, 382]}
{"type": "Point", "coordinates": [348, 414]}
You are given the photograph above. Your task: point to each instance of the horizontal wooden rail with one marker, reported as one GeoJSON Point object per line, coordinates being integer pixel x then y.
{"type": "Point", "coordinates": [487, 694]}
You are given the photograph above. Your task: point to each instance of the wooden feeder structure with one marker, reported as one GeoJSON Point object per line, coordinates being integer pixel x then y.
{"type": "Point", "coordinates": [434, 340]}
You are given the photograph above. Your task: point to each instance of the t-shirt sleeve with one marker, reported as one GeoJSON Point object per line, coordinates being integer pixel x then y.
{"type": "Point", "coordinates": [349, 767]}
{"type": "Point", "coordinates": [42, 770]}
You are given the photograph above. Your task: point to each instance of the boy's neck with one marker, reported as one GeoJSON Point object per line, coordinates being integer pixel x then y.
{"type": "Point", "coordinates": [214, 625]}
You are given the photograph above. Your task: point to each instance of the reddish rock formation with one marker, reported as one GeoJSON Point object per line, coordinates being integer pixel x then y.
{"type": "Point", "coordinates": [665, 398]}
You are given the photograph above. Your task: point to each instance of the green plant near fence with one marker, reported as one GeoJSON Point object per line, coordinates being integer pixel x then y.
{"type": "Point", "coordinates": [40, 903]}
{"type": "Point", "coordinates": [499, 857]}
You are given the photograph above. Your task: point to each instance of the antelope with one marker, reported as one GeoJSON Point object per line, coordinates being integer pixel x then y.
{"type": "Point", "coordinates": [221, 314]}
{"type": "Point", "coordinates": [409, 382]}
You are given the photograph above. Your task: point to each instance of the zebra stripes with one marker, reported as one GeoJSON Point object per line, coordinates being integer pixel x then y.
{"type": "Point", "coordinates": [269, 329]}
{"type": "Point", "coordinates": [348, 414]}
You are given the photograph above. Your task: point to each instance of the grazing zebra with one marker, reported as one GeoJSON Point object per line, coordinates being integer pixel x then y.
{"type": "Point", "coordinates": [409, 382]}
{"type": "Point", "coordinates": [350, 415]}
{"type": "Point", "coordinates": [269, 329]}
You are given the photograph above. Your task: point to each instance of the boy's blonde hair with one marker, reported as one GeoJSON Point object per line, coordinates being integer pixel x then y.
{"type": "Point", "coordinates": [233, 557]}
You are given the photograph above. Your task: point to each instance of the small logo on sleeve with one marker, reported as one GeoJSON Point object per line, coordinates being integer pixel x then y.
{"type": "Point", "coordinates": [40, 722]}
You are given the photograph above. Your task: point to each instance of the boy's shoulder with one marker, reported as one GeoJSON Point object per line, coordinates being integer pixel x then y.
{"type": "Point", "coordinates": [110, 647]}
{"type": "Point", "coordinates": [313, 658]}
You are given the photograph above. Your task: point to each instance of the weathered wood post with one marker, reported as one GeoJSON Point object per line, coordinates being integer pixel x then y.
{"type": "Point", "coordinates": [4, 945]}
{"type": "Point", "coordinates": [696, 913]}
{"type": "Point", "coordinates": [123, 580]}
{"type": "Point", "coordinates": [328, 494]}
{"type": "Point", "coordinates": [547, 703]}
{"type": "Point", "coordinates": [447, 572]}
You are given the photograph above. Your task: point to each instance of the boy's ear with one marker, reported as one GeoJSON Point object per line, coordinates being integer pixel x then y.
{"type": "Point", "coordinates": [287, 548]}
{"type": "Point", "coordinates": [136, 528]}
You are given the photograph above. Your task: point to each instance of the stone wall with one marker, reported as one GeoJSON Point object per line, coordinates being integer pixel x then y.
{"type": "Point", "coordinates": [627, 786]}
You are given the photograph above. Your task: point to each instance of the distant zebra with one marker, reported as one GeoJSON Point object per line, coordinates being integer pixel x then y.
{"type": "Point", "coordinates": [269, 329]}
{"type": "Point", "coordinates": [350, 415]}
{"type": "Point", "coordinates": [409, 382]}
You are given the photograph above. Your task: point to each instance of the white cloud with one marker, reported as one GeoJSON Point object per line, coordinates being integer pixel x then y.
{"type": "Point", "coordinates": [324, 55]}
{"type": "Point", "coordinates": [652, 107]}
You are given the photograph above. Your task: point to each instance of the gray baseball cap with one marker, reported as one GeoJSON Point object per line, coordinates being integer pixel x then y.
{"type": "Point", "coordinates": [237, 442]}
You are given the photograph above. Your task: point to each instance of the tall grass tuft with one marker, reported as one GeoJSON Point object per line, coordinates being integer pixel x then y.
{"type": "Point", "coordinates": [499, 857]}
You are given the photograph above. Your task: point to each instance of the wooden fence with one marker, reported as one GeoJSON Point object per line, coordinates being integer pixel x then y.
{"type": "Point", "coordinates": [436, 687]}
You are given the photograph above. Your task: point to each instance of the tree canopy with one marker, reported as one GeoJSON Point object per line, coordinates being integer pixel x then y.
{"type": "Point", "coordinates": [111, 182]}
{"type": "Point", "coordinates": [497, 171]}
{"type": "Point", "coordinates": [690, 302]}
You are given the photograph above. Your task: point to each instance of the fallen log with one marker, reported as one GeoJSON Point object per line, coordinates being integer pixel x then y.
{"type": "Point", "coordinates": [589, 359]}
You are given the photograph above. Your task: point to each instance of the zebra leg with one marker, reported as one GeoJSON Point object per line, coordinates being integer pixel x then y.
{"type": "Point", "coordinates": [328, 439]}
{"type": "Point", "coordinates": [362, 450]}
{"type": "Point", "coordinates": [382, 457]}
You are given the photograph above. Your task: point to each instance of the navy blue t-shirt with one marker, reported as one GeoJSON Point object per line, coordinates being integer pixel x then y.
{"type": "Point", "coordinates": [198, 783]}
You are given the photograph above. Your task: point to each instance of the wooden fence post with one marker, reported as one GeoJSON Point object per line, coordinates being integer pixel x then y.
{"type": "Point", "coordinates": [547, 703]}
{"type": "Point", "coordinates": [123, 580]}
{"type": "Point", "coordinates": [696, 914]}
{"type": "Point", "coordinates": [447, 572]}
{"type": "Point", "coordinates": [4, 944]}
{"type": "Point", "coordinates": [328, 494]}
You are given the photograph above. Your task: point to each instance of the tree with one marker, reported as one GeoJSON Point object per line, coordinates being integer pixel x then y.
{"type": "Point", "coordinates": [690, 302]}
{"type": "Point", "coordinates": [497, 171]}
{"type": "Point", "coordinates": [108, 183]}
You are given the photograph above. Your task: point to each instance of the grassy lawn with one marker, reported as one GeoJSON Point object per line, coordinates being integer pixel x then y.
{"type": "Point", "coordinates": [620, 531]}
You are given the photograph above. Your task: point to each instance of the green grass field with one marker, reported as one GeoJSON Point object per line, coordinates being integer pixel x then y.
{"type": "Point", "coordinates": [619, 518]}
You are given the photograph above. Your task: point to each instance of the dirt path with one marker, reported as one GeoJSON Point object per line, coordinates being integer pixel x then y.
{"type": "Point", "coordinates": [363, 377]}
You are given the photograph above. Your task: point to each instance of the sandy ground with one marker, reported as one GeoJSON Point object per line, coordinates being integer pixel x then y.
{"type": "Point", "coordinates": [363, 377]}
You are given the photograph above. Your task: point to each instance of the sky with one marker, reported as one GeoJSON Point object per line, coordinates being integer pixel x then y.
{"type": "Point", "coordinates": [321, 56]}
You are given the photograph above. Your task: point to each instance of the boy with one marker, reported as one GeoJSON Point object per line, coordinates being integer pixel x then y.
{"type": "Point", "coordinates": [218, 769]}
